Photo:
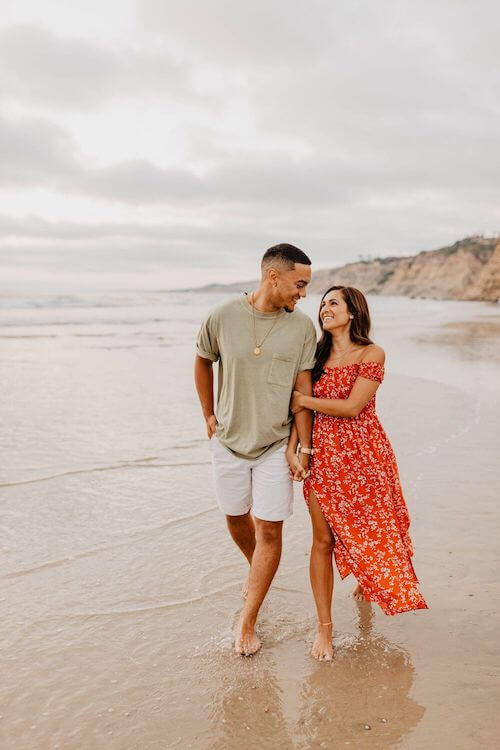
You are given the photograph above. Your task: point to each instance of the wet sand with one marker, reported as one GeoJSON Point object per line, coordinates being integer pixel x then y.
{"type": "Point", "coordinates": [120, 585]}
{"type": "Point", "coordinates": [475, 339]}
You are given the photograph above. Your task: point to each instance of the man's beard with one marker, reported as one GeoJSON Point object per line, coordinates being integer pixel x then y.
{"type": "Point", "coordinates": [287, 310]}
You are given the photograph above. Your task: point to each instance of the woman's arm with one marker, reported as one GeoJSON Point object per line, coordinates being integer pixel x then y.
{"type": "Point", "coordinates": [362, 392]}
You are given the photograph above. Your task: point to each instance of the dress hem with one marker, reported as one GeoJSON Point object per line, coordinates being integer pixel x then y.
{"type": "Point", "coordinates": [344, 573]}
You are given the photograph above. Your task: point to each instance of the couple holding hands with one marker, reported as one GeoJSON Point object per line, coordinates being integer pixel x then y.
{"type": "Point", "coordinates": [291, 407]}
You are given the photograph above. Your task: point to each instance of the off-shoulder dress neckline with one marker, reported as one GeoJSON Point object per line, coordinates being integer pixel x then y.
{"type": "Point", "coordinates": [340, 367]}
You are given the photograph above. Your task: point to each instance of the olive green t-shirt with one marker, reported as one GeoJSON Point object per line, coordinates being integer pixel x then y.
{"type": "Point", "coordinates": [253, 393]}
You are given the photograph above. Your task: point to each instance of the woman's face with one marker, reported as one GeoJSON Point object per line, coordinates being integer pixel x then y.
{"type": "Point", "coordinates": [333, 311]}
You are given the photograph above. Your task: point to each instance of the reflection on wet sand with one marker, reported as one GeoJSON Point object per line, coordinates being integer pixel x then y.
{"type": "Point", "coordinates": [247, 710]}
{"type": "Point", "coordinates": [472, 340]}
{"type": "Point", "coordinates": [362, 698]}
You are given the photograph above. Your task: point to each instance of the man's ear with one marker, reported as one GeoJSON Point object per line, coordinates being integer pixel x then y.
{"type": "Point", "coordinates": [272, 275]}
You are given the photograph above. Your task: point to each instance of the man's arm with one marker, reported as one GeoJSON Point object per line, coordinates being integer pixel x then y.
{"type": "Point", "coordinates": [298, 465]}
{"type": "Point", "coordinates": [304, 418]}
{"type": "Point", "coordinates": [204, 382]}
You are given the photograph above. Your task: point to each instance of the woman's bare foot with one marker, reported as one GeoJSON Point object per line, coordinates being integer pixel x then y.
{"type": "Point", "coordinates": [322, 649]}
{"type": "Point", "coordinates": [246, 642]}
{"type": "Point", "coordinates": [358, 594]}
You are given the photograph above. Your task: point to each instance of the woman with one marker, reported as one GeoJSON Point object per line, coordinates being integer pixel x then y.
{"type": "Point", "coordinates": [353, 492]}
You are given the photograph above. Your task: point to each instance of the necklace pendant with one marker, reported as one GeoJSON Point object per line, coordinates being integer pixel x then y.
{"type": "Point", "coordinates": [256, 351]}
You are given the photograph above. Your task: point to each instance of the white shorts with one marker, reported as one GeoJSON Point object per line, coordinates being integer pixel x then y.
{"type": "Point", "coordinates": [262, 485]}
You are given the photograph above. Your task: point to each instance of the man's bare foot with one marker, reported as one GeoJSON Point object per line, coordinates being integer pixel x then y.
{"type": "Point", "coordinates": [322, 649]}
{"type": "Point", "coordinates": [244, 588]}
{"type": "Point", "coordinates": [358, 594]}
{"type": "Point", "coordinates": [246, 642]}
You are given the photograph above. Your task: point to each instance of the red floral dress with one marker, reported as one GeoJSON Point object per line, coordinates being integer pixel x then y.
{"type": "Point", "coordinates": [355, 478]}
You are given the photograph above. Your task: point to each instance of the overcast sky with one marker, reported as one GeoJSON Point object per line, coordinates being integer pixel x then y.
{"type": "Point", "coordinates": [170, 143]}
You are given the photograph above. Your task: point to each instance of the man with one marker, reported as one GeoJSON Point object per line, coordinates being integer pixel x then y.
{"type": "Point", "coordinates": [265, 349]}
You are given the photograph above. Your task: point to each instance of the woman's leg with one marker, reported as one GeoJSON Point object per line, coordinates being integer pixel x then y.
{"type": "Point", "coordinates": [321, 573]}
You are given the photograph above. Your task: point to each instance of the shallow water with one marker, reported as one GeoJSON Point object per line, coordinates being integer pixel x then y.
{"type": "Point", "coordinates": [120, 585]}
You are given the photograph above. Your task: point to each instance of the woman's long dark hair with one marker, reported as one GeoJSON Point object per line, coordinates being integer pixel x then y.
{"type": "Point", "coordinates": [359, 331]}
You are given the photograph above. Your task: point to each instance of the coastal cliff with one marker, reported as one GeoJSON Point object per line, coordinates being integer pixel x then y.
{"type": "Point", "coordinates": [467, 270]}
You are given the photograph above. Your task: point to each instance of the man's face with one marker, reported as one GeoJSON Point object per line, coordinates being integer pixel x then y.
{"type": "Point", "coordinates": [292, 285]}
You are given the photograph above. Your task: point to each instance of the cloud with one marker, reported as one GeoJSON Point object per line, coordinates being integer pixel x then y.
{"type": "Point", "coordinates": [422, 164]}
{"type": "Point", "coordinates": [36, 227]}
{"type": "Point", "coordinates": [33, 151]}
{"type": "Point", "coordinates": [38, 152]}
{"type": "Point", "coordinates": [38, 66]}
{"type": "Point", "coordinates": [246, 34]}
{"type": "Point", "coordinates": [135, 243]}
{"type": "Point", "coordinates": [139, 181]}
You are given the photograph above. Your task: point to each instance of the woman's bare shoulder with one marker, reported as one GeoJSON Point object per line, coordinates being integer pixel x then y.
{"type": "Point", "coordinates": [373, 353]}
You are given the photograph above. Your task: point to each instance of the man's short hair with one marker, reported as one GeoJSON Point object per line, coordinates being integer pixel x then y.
{"type": "Point", "coordinates": [285, 255]}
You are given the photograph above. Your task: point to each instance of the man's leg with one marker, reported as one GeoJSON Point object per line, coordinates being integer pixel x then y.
{"type": "Point", "coordinates": [242, 530]}
{"type": "Point", "coordinates": [265, 561]}
{"type": "Point", "coordinates": [272, 492]}
{"type": "Point", "coordinates": [236, 480]}
{"type": "Point", "coordinates": [233, 488]}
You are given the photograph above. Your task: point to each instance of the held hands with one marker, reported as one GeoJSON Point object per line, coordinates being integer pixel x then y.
{"type": "Point", "coordinates": [299, 465]}
{"type": "Point", "coordinates": [211, 425]}
{"type": "Point", "coordinates": [296, 404]}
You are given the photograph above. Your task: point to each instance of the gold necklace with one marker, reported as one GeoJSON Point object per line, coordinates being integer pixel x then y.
{"type": "Point", "coordinates": [258, 346]}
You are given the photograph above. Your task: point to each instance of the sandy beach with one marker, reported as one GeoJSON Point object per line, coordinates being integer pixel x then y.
{"type": "Point", "coordinates": [120, 585]}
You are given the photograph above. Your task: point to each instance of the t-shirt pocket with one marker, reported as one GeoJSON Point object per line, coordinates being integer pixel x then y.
{"type": "Point", "coordinates": [281, 371]}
